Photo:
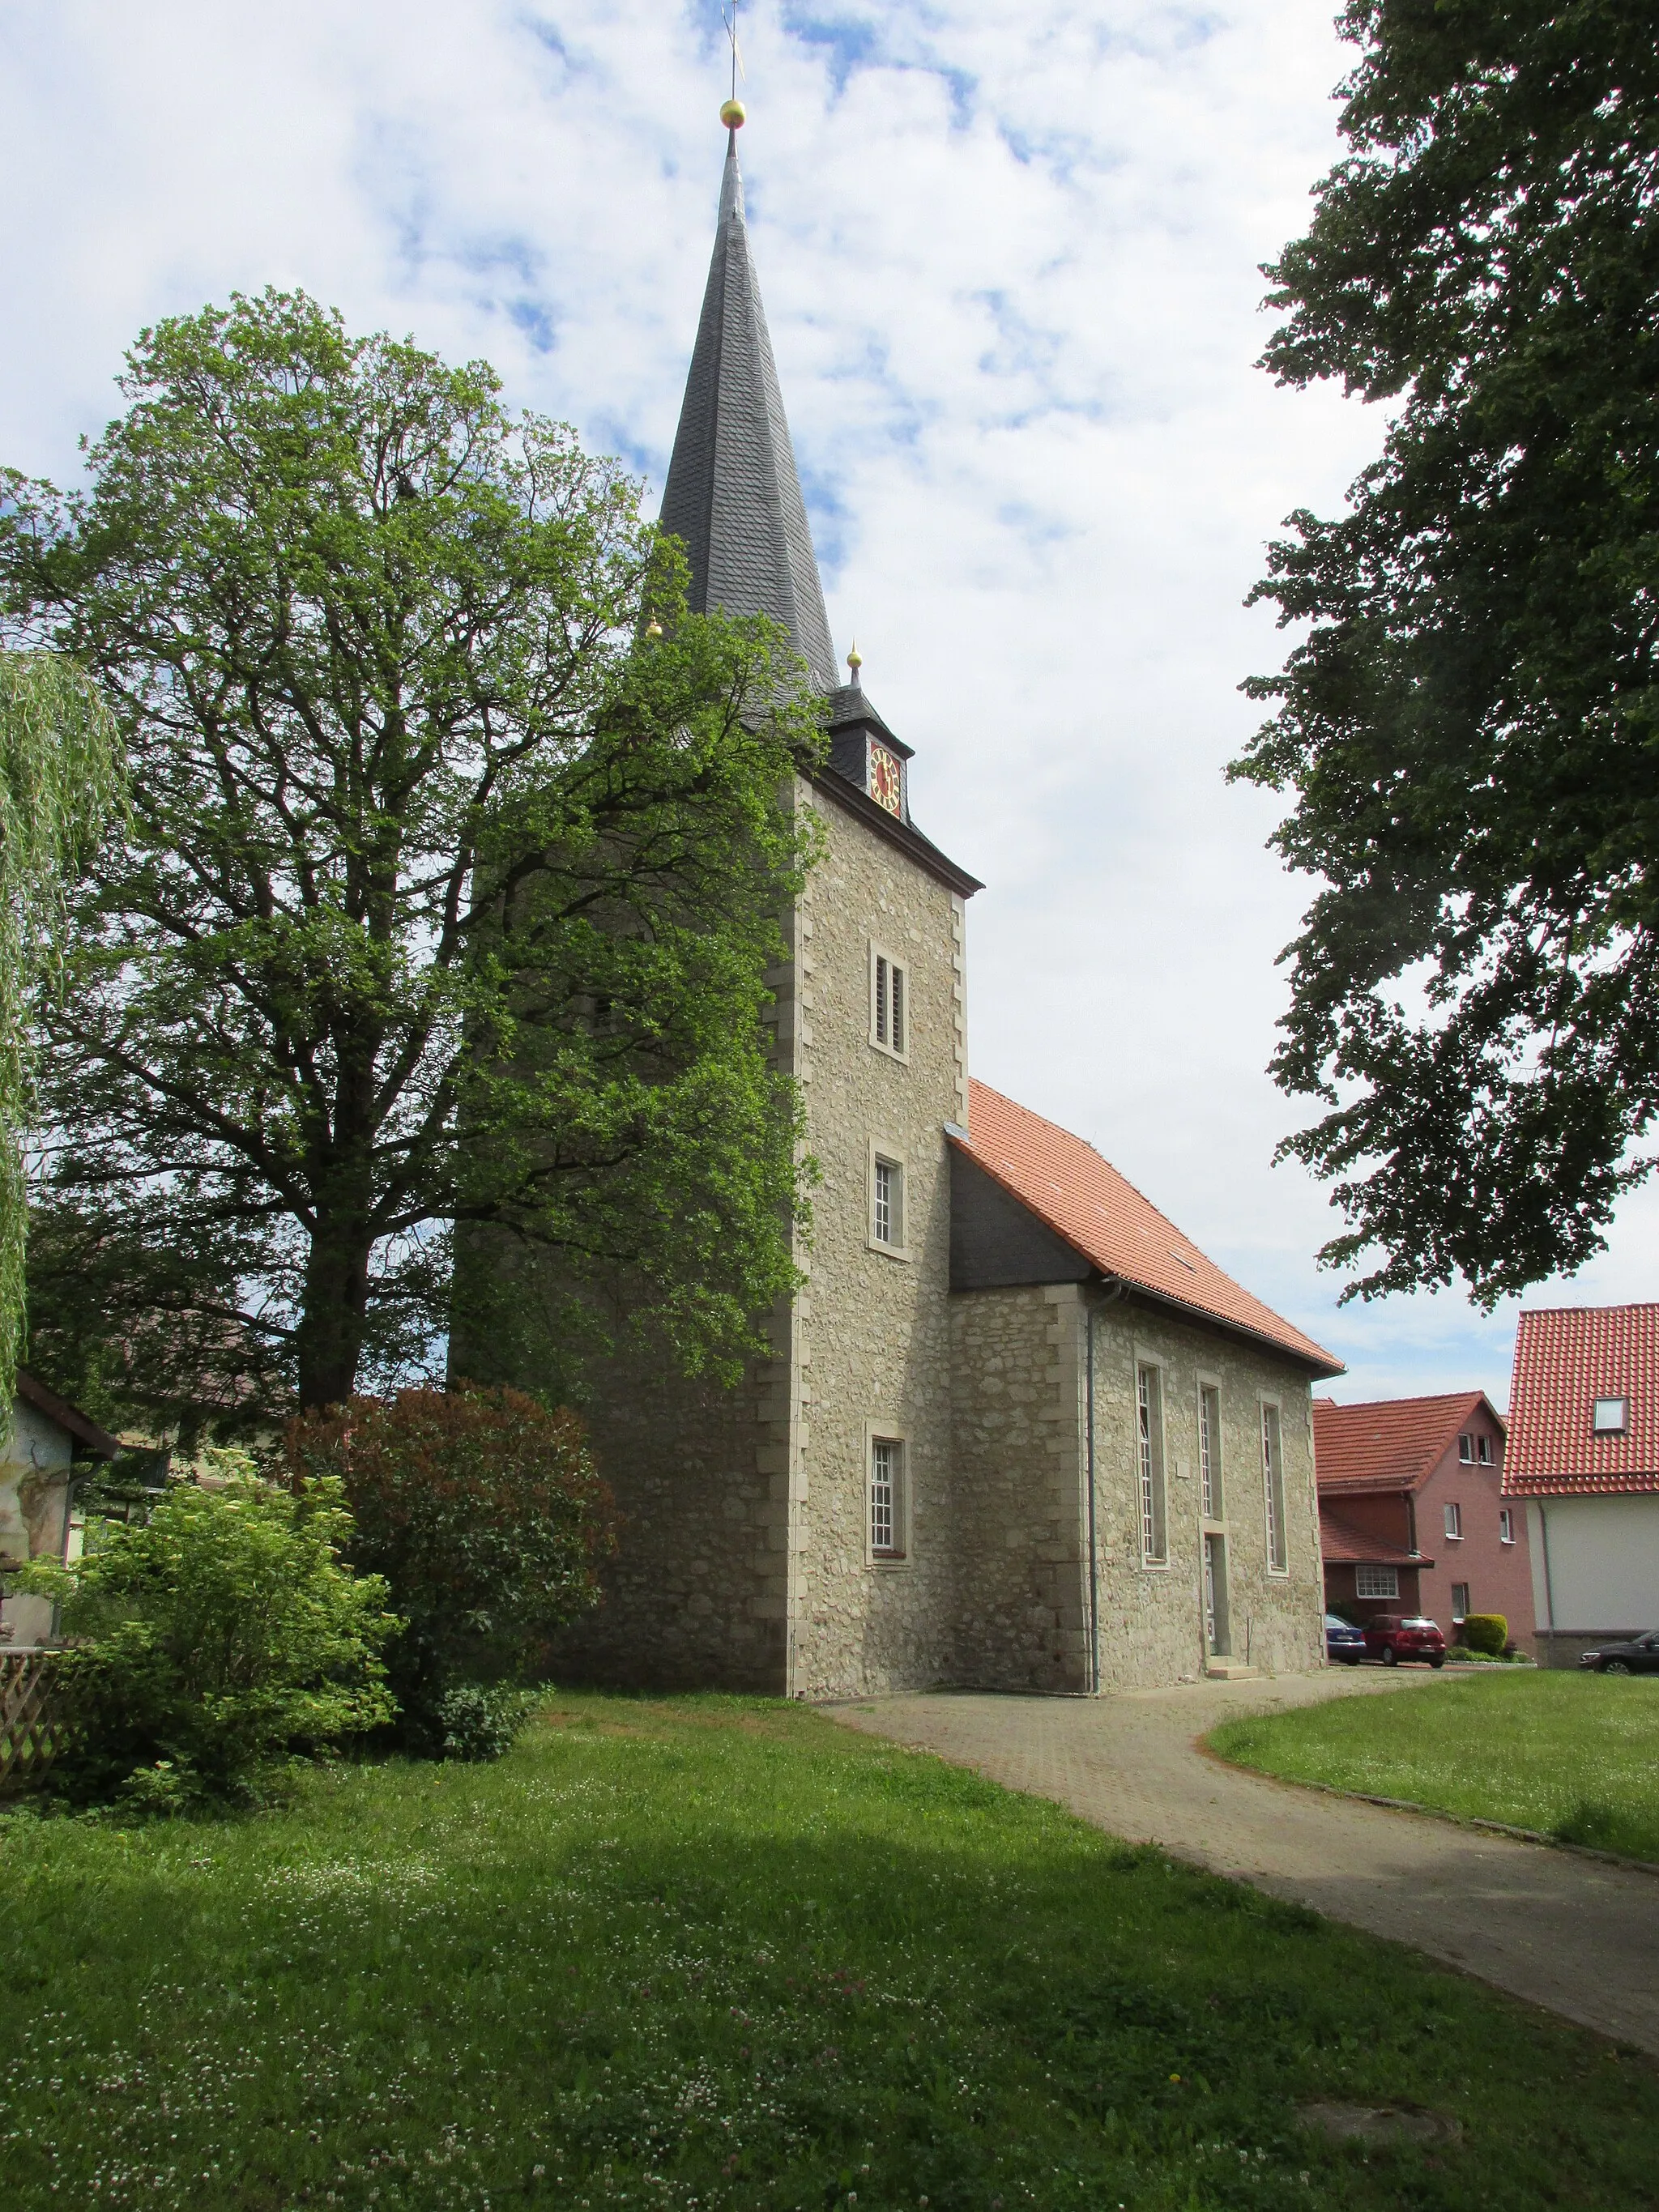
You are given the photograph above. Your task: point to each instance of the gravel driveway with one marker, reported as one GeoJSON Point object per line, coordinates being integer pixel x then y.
{"type": "Point", "coordinates": [1565, 1931]}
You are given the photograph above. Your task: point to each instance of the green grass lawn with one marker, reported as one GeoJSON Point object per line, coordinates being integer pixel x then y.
{"type": "Point", "coordinates": [1570, 1756]}
{"type": "Point", "coordinates": [713, 1952]}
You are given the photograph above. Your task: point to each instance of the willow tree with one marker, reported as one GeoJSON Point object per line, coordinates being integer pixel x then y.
{"type": "Point", "coordinates": [59, 771]}
{"type": "Point", "coordinates": [453, 869]}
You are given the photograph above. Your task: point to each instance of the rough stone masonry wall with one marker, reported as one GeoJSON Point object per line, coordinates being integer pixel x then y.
{"type": "Point", "coordinates": [1152, 1622]}
{"type": "Point", "coordinates": [1021, 1536]}
{"type": "Point", "coordinates": [873, 1337]}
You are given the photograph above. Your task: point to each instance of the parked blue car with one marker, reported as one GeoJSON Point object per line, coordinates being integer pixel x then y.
{"type": "Point", "coordinates": [1343, 1640]}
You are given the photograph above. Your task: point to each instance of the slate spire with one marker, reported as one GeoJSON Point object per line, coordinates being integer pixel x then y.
{"type": "Point", "coordinates": [733, 495]}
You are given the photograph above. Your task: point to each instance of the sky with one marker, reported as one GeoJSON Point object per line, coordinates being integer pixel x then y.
{"type": "Point", "coordinates": [1010, 258]}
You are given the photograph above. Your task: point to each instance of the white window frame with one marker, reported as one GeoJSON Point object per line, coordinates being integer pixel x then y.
{"type": "Point", "coordinates": [1610, 1427]}
{"type": "Point", "coordinates": [890, 1157]}
{"type": "Point", "coordinates": [1460, 1616]}
{"type": "Point", "coordinates": [1453, 1523]}
{"type": "Point", "coordinates": [1484, 1453]}
{"type": "Point", "coordinates": [1505, 1525]}
{"type": "Point", "coordinates": [1211, 1475]}
{"type": "Point", "coordinates": [1275, 1527]}
{"type": "Point", "coordinates": [1370, 1582]}
{"type": "Point", "coordinates": [1152, 1463]}
{"type": "Point", "coordinates": [1465, 1450]}
{"type": "Point", "coordinates": [889, 992]}
{"type": "Point", "coordinates": [894, 1437]}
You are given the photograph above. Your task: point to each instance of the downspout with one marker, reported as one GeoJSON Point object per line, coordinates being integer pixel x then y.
{"type": "Point", "coordinates": [1094, 1549]}
{"type": "Point", "coordinates": [1549, 1593]}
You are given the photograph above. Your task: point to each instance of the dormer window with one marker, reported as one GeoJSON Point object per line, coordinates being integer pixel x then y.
{"type": "Point", "coordinates": [1611, 1417]}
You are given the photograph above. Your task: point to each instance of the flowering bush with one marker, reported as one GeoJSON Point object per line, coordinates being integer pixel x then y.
{"type": "Point", "coordinates": [209, 1641]}
{"type": "Point", "coordinates": [485, 1515]}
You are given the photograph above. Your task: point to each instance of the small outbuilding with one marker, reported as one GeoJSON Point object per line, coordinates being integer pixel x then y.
{"type": "Point", "coordinates": [47, 1444]}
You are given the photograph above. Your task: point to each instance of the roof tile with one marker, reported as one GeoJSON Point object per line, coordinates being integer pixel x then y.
{"type": "Point", "coordinates": [1388, 1444]}
{"type": "Point", "coordinates": [1084, 1199]}
{"type": "Point", "coordinates": [1565, 1359]}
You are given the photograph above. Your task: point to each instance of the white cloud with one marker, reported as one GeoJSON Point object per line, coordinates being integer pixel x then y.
{"type": "Point", "coordinates": [1010, 262]}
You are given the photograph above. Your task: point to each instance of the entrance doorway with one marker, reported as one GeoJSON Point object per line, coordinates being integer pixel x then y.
{"type": "Point", "coordinates": [1218, 1638]}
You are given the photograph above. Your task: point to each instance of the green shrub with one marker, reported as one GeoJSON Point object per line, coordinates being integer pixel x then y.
{"type": "Point", "coordinates": [1486, 1631]}
{"type": "Point", "coordinates": [479, 1723]}
{"type": "Point", "coordinates": [206, 1644]}
{"type": "Point", "coordinates": [485, 1513]}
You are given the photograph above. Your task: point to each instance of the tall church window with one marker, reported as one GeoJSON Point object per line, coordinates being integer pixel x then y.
{"type": "Point", "coordinates": [887, 1204]}
{"type": "Point", "coordinates": [1149, 1413]}
{"type": "Point", "coordinates": [1209, 1449]}
{"type": "Point", "coordinates": [1272, 1480]}
{"type": "Point", "coordinates": [886, 1498]}
{"type": "Point", "coordinates": [890, 1004]}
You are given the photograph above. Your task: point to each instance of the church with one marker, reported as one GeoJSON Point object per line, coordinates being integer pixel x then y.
{"type": "Point", "coordinates": [1015, 1431]}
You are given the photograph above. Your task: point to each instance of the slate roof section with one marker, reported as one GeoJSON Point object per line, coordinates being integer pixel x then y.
{"type": "Point", "coordinates": [1389, 1443]}
{"type": "Point", "coordinates": [1565, 1359]}
{"type": "Point", "coordinates": [1084, 1200]}
{"type": "Point", "coordinates": [733, 494]}
{"type": "Point", "coordinates": [1342, 1545]}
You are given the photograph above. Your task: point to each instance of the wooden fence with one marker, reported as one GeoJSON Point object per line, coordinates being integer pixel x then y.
{"type": "Point", "coordinates": [30, 1737]}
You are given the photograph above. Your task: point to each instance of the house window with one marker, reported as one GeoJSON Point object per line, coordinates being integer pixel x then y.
{"type": "Point", "coordinates": [886, 1498]}
{"type": "Point", "coordinates": [1460, 1601]}
{"type": "Point", "coordinates": [1612, 1417]}
{"type": "Point", "coordinates": [1466, 1450]}
{"type": "Point", "coordinates": [1505, 1525]}
{"type": "Point", "coordinates": [887, 1204]}
{"type": "Point", "coordinates": [1272, 1477]}
{"type": "Point", "coordinates": [1483, 1450]}
{"type": "Point", "coordinates": [1149, 1406]}
{"type": "Point", "coordinates": [1376, 1582]}
{"type": "Point", "coordinates": [1209, 1449]}
{"type": "Point", "coordinates": [890, 1004]}
{"type": "Point", "coordinates": [1455, 1524]}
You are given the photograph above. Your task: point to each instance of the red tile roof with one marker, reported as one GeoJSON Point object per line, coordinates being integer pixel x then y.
{"type": "Point", "coordinates": [1085, 1199]}
{"type": "Point", "coordinates": [1342, 1545]}
{"type": "Point", "coordinates": [1390, 1443]}
{"type": "Point", "coordinates": [1563, 1361]}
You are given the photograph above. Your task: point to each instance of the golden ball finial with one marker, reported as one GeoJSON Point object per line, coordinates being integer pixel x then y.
{"type": "Point", "coordinates": [855, 659]}
{"type": "Point", "coordinates": [733, 115]}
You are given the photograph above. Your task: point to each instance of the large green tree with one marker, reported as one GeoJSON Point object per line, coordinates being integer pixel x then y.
{"type": "Point", "coordinates": [453, 871]}
{"type": "Point", "coordinates": [60, 771]}
{"type": "Point", "coordinates": [1469, 722]}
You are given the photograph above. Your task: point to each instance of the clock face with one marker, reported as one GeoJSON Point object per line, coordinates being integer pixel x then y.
{"type": "Point", "coordinates": [886, 785]}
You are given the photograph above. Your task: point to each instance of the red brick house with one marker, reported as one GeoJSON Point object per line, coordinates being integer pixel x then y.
{"type": "Point", "coordinates": [1412, 1515]}
{"type": "Point", "coordinates": [1583, 1466]}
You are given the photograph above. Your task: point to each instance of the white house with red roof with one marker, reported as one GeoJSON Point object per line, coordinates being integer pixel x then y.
{"type": "Point", "coordinates": [41, 1447]}
{"type": "Point", "coordinates": [1583, 1463]}
{"type": "Point", "coordinates": [1412, 1515]}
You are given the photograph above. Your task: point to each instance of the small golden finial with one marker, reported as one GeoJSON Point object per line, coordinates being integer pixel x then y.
{"type": "Point", "coordinates": [732, 115]}
{"type": "Point", "coordinates": [653, 627]}
{"type": "Point", "coordinates": [855, 660]}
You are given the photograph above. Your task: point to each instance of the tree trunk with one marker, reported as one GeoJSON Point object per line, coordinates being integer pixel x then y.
{"type": "Point", "coordinates": [335, 1312]}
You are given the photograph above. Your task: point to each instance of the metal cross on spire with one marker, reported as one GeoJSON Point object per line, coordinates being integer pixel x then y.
{"type": "Point", "coordinates": [738, 69]}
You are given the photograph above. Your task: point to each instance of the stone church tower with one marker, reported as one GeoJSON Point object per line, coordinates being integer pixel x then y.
{"type": "Point", "coordinates": [968, 1458]}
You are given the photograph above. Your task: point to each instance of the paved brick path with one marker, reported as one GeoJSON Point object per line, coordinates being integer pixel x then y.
{"type": "Point", "coordinates": [1565, 1931]}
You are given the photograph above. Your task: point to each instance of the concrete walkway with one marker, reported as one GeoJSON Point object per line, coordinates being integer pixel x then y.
{"type": "Point", "coordinates": [1567, 1932]}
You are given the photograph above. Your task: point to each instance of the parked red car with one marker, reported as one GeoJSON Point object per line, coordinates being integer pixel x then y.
{"type": "Point", "coordinates": [1392, 1637]}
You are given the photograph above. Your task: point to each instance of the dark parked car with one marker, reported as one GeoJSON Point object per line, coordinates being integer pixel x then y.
{"type": "Point", "coordinates": [1392, 1637]}
{"type": "Point", "coordinates": [1639, 1657]}
{"type": "Point", "coordinates": [1343, 1640]}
